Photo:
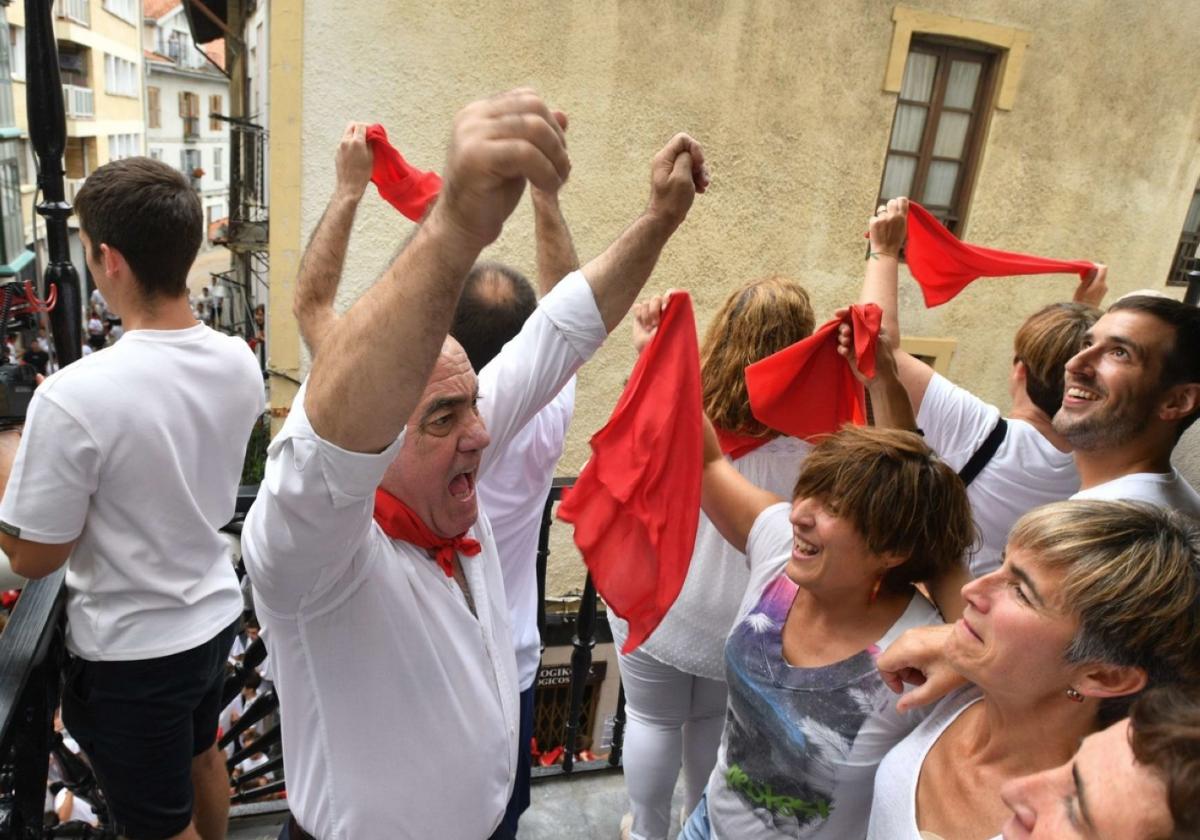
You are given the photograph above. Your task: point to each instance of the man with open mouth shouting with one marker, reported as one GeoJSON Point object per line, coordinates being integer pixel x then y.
{"type": "Point", "coordinates": [393, 651]}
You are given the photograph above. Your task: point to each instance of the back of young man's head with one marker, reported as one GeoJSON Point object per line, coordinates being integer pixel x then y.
{"type": "Point", "coordinates": [1181, 364]}
{"type": "Point", "coordinates": [1044, 344]}
{"type": "Point", "coordinates": [496, 300]}
{"type": "Point", "coordinates": [150, 214]}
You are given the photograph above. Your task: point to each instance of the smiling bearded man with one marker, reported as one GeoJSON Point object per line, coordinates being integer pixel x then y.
{"type": "Point", "coordinates": [1129, 395]}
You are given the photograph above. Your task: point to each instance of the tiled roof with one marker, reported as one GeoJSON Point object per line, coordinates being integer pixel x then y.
{"type": "Point", "coordinates": [216, 51]}
{"type": "Point", "coordinates": [155, 9]}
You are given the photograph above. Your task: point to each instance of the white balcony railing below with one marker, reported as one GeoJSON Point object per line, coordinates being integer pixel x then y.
{"type": "Point", "coordinates": [76, 10]}
{"type": "Point", "coordinates": [79, 101]}
{"type": "Point", "coordinates": [71, 187]}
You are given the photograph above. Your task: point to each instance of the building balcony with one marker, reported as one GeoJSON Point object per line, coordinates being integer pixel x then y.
{"type": "Point", "coordinates": [80, 102]}
{"type": "Point", "coordinates": [71, 187]}
{"type": "Point", "coordinates": [78, 11]}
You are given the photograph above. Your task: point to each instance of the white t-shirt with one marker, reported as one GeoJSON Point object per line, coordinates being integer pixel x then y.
{"type": "Point", "coordinates": [801, 745]}
{"type": "Point", "coordinates": [1027, 470]}
{"type": "Point", "coordinates": [894, 806]}
{"type": "Point", "coordinates": [692, 635]}
{"type": "Point", "coordinates": [381, 669]}
{"type": "Point", "coordinates": [81, 809]}
{"type": "Point", "coordinates": [136, 452]}
{"type": "Point", "coordinates": [514, 496]}
{"type": "Point", "coordinates": [1168, 490]}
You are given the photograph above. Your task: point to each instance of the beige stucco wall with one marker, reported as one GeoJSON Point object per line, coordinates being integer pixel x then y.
{"type": "Point", "coordinates": [1097, 157]}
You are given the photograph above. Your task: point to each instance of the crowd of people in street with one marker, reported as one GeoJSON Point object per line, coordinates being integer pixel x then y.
{"type": "Point", "coordinates": [952, 621]}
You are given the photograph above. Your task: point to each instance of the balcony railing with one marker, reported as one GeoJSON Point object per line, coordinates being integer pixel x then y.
{"type": "Point", "coordinates": [76, 10]}
{"type": "Point", "coordinates": [72, 187]}
{"type": "Point", "coordinates": [79, 101]}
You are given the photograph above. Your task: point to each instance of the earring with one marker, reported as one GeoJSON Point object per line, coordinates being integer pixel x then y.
{"type": "Point", "coordinates": [875, 590]}
{"type": "Point", "coordinates": [1074, 696]}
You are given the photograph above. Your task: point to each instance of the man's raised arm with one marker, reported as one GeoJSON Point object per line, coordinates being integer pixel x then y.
{"type": "Point", "coordinates": [556, 257]}
{"type": "Point", "coordinates": [618, 274]}
{"type": "Point", "coordinates": [375, 361]}
{"type": "Point", "coordinates": [321, 266]}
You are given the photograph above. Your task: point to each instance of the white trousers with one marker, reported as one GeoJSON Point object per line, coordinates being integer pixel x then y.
{"type": "Point", "coordinates": [673, 719]}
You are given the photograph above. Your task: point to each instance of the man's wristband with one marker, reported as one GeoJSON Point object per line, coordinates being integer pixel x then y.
{"type": "Point", "coordinates": [877, 254]}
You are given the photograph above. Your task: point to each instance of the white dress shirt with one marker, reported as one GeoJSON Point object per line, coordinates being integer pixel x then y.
{"type": "Point", "coordinates": [398, 705]}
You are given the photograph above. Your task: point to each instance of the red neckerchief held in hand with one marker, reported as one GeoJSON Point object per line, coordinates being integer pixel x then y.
{"type": "Point", "coordinates": [400, 523]}
{"type": "Point", "coordinates": [402, 185]}
{"type": "Point", "coordinates": [807, 390]}
{"type": "Point", "coordinates": [736, 445]}
{"type": "Point", "coordinates": [943, 265]}
{"type": "Point", "coordinates": [636, 504]}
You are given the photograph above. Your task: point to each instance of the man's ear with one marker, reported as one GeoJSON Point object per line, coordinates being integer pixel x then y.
{"type": "Point", "coordinates": [113, 260]}
{"type": "Point", "coordinates": [1179, 401]}
{"type": "Point", "coordinates": [1098, 680]}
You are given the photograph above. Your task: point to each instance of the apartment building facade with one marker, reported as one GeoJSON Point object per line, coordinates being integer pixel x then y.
{"type": "Point", "coordinates": [187, 98]}
{"type": "Point", "coordinates": [100, 61]}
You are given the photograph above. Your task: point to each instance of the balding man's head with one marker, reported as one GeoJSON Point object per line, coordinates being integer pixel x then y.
{"type": "Point", "coordinates": [496, 300]}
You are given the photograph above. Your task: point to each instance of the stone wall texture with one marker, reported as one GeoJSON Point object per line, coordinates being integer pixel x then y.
{"type": "Point", "coordinates": [1097, 159]}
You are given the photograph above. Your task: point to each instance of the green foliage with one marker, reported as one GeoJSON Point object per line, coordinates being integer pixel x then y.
{"type": "Point", "coordinates": [256, 451]}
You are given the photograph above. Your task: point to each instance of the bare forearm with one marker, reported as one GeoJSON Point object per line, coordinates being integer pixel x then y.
{"type": "Point", "coordinates": [618, 275]}
{"type": "Point", "coordinates": [890, 404]}
{"type": "Point", "coordinates": [321, 270]}
{"type": "Point", "coordinates": [880, 287]}
{"type": "Point", "coordinates": [375, 361]}
{"type": "Point", "coordinates": [556, 257]}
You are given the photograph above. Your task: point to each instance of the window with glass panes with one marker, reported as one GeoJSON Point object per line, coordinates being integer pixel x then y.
{"type": "Point", "coordinates": [938, 129]}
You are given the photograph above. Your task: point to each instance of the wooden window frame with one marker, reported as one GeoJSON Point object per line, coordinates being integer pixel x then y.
{"type": "Point", "coordinates": [947, 50]}
{"type": "Point", "coordinates": [216, 104]}
{"type": "Point", "coordinates": [154, 106]}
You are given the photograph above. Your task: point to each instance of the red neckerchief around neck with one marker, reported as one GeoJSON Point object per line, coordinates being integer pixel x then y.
{"type": "Point", "coordinates": [399, 522]}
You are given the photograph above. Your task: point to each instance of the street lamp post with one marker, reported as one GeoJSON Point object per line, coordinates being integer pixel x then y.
{"type": "Point", "coordinates": [48, 136]}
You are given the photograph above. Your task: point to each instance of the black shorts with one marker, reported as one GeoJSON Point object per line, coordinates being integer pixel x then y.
{"type": "Point", "coordinates": [141, 723]}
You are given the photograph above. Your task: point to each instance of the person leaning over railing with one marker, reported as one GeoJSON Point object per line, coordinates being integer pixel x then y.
{"type": "Point", "coordinates": [1137, 780]}
{"type": "Point", "coordinates": [832, 579]}
{"type": "Point", "coordinates": [1095, 602]}
{"type": "Point", "coordinates": [392, 652]}
{"type": "Point", "coordinates": [128, 466]}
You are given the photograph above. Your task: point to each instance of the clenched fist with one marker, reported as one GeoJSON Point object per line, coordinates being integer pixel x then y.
{"type": "Point", "coordinates": [497, 145]}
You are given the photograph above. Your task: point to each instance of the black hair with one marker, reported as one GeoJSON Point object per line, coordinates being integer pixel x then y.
{"type": "Point", "coordinates": [496, 300]}
{"type": "Point", "coordinates": [1182, 362]}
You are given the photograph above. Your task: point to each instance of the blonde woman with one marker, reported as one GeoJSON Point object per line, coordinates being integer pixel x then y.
{"type": "Point", "coordinates": [1095, 601]}
{"type": "Point", "coordinates": [675, 683]}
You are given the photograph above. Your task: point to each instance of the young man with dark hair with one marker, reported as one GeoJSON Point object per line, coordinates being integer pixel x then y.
{"type": "Point", "coordinates": [128, 466]}
{"type": "Point", "coordinates": [1130, 394]}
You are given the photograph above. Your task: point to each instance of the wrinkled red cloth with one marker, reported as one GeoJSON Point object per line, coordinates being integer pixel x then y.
{"type": "Point", "coordinates": [402, 185]}
{"type": "Point", "coordinates": [736, 445]}
{"type": "Point", "coordinates": [943, 265]}
{"type": "Point", "coordinates": [636, 504]}
{"type": "Point", "coordinates": [807, 390]}
{"type": "Point", "coordinates": [399, 522]}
